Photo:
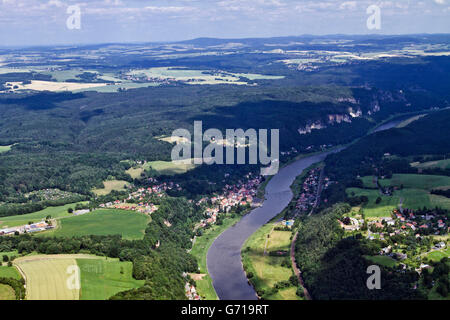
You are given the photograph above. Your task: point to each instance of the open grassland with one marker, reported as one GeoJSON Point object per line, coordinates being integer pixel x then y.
{"type": "Point", "coordinates": [135, 172]}
{"type": "Point", "coordinates": [169, 167]}
{"type": "Point", "coordinates": [103, 278]}
{"type": "Point", "coordinates": [131, 225]}
{"type": "Point", "coordinates": [7, 292]}
{"type": "Point", "coordinates": [439, 254]}
{"type": "Point", "coordinates": [415, 193]}
{"type": "Point", "coordinates": [443, 164]}
{"type": "Point", "coordinates": [54, 212]}
{"type": "Point", "coordinates": [382, 260]}
{"type": "Point", "coordinates": [199, 251]}
{"type": "Point", "coordinates": [47, 277]}
{"type": "Point", "coordinates": [199, 76]}
{"type": "Point", "coordinates": [5, 148]}
{"type": "Point", "coordinates": [417, 181]}
{"type": "Point", "coordinates": [110, 185]}
{"type": "Point", "coordinates": [9, 272]}
{"type": "Point", "coordinates": [267, 270]}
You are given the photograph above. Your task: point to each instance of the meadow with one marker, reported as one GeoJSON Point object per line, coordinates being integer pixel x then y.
{"type": "Point", "coordinates": [5, 148]}
{"type": "Point", "coordinates": [54, 212]}
{"type": "Point", "coordinates": [102, 278]}
{"type": "Point", "coordinates": [382, 260]}
{"type": "Point", "coordinates": [110, 185]}
{"type": "Point", "coordinates": [443, 164]}
{"type": "Point", "coordinates": [9, 272]}
{"type": "Point", "coordinates": [267, 270]}
{"type": "Point", "coordinates": [169, 167]}
{"type": "Point", "coordinates": [7, 292]}
{"type": "Point", "coordinates": [415, 193]}
{"type": "Point", "coordinates": [130, 225]}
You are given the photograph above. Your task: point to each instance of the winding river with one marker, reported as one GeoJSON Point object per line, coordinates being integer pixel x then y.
{"type": "Point", "coordinates": [224, 256]}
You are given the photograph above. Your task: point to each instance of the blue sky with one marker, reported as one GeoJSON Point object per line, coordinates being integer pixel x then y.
{"type": "Point", "coordinates": [42, 22]}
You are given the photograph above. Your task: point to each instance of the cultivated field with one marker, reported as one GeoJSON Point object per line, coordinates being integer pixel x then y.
{"type": "Point", "coordinates": [7, 292]}
{"type": "Point", "coordinates": [130, 225]}
{"type": "Point", "coordinates": [39, 85]}
{"type": "Point", "coordinates": [103, 278]}
{"type": "Point", "coordinates": [47, 276]}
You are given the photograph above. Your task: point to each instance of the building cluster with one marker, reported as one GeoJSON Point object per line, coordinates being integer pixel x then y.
{"type": "Point", "coordinates": [139, 200]}
{"type": "Point", "coordinates": [191, 292]}
{"type": "Point", "coordinates": [28, 228]}
{"type": "Point", "coordinates": [241, 194]}
{"type": "Point", "coordinates": [307, 198]}
{"type": "Point", "coordinates": [403, 221]}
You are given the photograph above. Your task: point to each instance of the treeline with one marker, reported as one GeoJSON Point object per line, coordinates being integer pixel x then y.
{"type": "Point", "coordinates": [333, 265]}
{"type": "Point", "coordinates": [12, 209]}
{"type": "Point", "coordinates": [445, 193]}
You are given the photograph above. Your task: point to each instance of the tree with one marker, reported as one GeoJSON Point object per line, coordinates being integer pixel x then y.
{"type": "Point", "coordinates": [70, 210]}
{"type": "Point", "coordinates": [5, 258]}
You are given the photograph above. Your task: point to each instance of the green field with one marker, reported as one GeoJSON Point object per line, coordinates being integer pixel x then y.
{"type": "Point", "coordinates": [101, 278]}
{"type": "Point", "coordinates": [438, 255]}
{"type": "Point", "coordinates": [415, 193]}
{"type": "Point", "coordinates": [169, 167]}
{"type": "Point", "coordinates": [54, 212]}
{"type": "Point", "coordinates": [5, 148]}
{"type": "Point", "coordinates": [267, 270]}
{"type": "Point", "coordinates": [130, 225]}
{"type": "Point", "coordinates": [443, 164]}
{"type": "Point", "coordinates": [110, 185]}
{"type": "Point", "coordinates": [7, 292]}
{"type": "Point", "coordinates": [382, 260]}
{"type": "Point", "coordinates": [9, 272]}
{"type": "Point", "coordinates": [200, 250]}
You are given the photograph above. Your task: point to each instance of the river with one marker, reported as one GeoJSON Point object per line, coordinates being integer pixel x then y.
{"type": "Point", "coordinates": [224, 256]}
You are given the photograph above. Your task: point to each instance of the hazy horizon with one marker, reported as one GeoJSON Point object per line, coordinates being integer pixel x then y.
{"type": "Point", "coordinates": [46, 23]}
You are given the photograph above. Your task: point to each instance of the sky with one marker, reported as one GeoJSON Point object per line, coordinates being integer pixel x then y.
{"type": "Point", "coordinates": [50, 22]}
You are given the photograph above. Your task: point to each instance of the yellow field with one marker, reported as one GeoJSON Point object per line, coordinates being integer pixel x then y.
{"type": "Point", "coordinates": [109, 186]}
{"type": "Point", "coordinates": [135, 172]}
{"type": "Point", "coordinates": [47, 276]}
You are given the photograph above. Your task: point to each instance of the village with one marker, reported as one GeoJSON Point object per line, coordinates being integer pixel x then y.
{"type": "Point", "coordinates": [408, 236]}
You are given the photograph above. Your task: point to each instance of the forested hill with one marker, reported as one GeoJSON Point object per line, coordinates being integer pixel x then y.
{"type": "Point", "coordinates": [429, 135]}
